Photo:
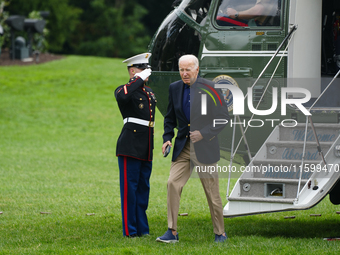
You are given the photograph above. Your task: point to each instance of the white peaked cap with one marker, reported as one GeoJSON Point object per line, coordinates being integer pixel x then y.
{"type": "Point", "coordinates": [141, 60]}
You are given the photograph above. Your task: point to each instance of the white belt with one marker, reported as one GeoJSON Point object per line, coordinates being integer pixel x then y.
{"type": "Point", "coordinates": [139, 121]}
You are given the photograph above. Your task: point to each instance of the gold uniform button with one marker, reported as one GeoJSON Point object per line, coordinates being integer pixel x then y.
{"type": "Point", "coordinates": [134, 131]}
{"type": "Point", "coordinates": [188, 125]}
{"type": "Point", "coordinates": [140, 98]}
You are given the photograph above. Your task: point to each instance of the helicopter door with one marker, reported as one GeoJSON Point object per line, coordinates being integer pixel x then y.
{"type": "Point", "coordinates": [330, 37]}
{"type": "Point", "coordinates": [304, 56]}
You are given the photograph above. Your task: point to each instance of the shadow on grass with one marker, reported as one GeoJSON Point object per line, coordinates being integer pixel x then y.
{"type": "Point", "coordinates": [302, 227]}
{"type": "Point", "coordinates": [266, 226]}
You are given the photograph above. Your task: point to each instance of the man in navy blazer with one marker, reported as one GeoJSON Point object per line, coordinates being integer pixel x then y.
{"type": "Point", "coordinates": [193, 106]}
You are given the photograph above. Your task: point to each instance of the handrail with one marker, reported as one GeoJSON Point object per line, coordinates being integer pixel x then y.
{"type": "Point", "coordinates": [293, 29]}
{"type": "Point", "coordinates": [232, 154]}
{"type": "Point", "coordinates": [302, 160]}
{"type": "Point", "coordinates": [315, 135]}
{"type": "Point", "coordinates": [231, 157]}
{"type": "Point", "coordinates": [252, 116]}
{"type": "Point", "coordinates": [245, 138]}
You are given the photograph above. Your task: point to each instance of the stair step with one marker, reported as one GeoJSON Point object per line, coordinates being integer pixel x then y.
{"type": "Point", "coordinates": [262, 200]}
{"type": "Point", "coordinates": [284, 169]}
{"type": "Point", "coordinates": [334, 110]}
{"type": "Point", "coordinates": [269, 187]}
{"type": "Point", "coordinates": [292, 150]}
{"type": "Point", "coordinates": [277, 162]}
{"type": "Point", "coordinates": [316, 125]}
{"type": "Point", "coordinates": [325, 132]}
{"type": "Point", "coordinates": [298, 144]}
{"type": "Point", "coordinates": [272, 180]}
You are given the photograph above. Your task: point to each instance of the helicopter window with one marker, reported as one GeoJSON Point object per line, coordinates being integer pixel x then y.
{"type": "Point", "coordinates": [249, 13]}
{"type": "Point", "coordinates": [197, 9]}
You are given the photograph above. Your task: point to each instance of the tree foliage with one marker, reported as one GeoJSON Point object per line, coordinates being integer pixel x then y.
{"type": "Point", "coordinates": [113, 28]}
{"type": "Point", "coordinates": [39, 42]}
{"type": "Point", "coordinates": [3, 17]}
{"type": "Point", "coordinates": [63, 18]}
{"type": "Point", "coordinates": [110, 28]}
{"type": "Point", "coordinates": [157, 11]}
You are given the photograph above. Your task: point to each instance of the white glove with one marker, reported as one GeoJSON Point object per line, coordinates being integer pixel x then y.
{"type": "Point", "coordinates": [144, 74]}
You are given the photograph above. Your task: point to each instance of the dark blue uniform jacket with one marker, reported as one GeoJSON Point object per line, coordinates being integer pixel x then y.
{"type": "Point", "coordinates": [138, 101]}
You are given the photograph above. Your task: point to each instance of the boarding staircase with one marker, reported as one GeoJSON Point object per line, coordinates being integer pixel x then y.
{"type": "Point", "coordinates": [272, 181]}
{"type": "Point", "coordinates": [291, 171]}
{"type": "Point", "coordinates": [273, 175]}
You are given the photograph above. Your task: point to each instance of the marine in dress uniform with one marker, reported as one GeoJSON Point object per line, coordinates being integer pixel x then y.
{"type": "Point", "coordinates": [137, 105]}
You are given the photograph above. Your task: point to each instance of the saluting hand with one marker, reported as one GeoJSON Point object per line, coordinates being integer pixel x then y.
{"type": "Point", "coordinates": [144, 74]}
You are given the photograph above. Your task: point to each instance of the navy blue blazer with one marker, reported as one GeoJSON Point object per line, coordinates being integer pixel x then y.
{"type": "Point", "coordinates": [207, 150]}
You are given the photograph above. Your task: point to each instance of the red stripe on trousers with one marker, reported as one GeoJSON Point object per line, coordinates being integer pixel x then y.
{"type": "Point", "coordinates": [125, 199]}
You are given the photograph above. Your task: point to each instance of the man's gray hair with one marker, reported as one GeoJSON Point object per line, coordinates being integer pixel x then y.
{"type": "Point", "coordinates": [191, 58]}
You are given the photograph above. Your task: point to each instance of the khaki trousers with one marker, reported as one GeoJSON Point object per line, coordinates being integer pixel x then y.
{"type": "Point", "coordinates": [180, 172]}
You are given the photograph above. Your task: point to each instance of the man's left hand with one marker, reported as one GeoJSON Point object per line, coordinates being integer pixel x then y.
{"type": "Point", "coordinates": [195, 136]}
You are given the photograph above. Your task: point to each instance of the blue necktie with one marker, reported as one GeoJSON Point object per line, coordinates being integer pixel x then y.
{"type": "Point", "coordinates": [186, 101]}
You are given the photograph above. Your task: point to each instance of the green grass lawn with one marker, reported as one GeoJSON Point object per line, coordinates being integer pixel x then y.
{"type": "Point", "coordinates": [59, 123]}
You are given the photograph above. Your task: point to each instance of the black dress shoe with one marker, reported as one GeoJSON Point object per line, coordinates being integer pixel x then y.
{"type": "Point", "coordinates": [132, 236]}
